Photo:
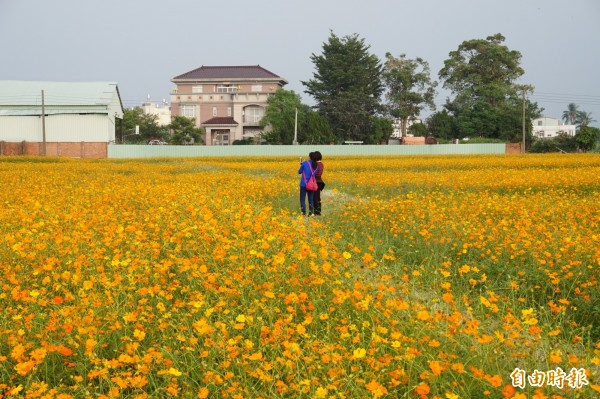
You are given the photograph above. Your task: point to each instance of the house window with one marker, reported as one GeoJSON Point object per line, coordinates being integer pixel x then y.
{"type": "Point", "coordinates": [226, 89]}
{"type": "Point", "coordinates": [539, 123]}
{"type": "Point", "coordinates": [214, 111]}
{"type": "Point", "coordinates": [188, 111]}
{"type": "Point", "coordinates": [256, 87]}
{"type": "Point", "coordinates": [196, 89]}
{"type": "Point", "coordinates": [253, 114]}
{"type": "Point", "coordinates": [228, 111]}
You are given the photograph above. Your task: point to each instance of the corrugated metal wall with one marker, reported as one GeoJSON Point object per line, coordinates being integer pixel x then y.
{"type": "Point", "coordinates": [20, 128]}
{"type": "Point", "coordinates": [59, 128]}
{"type": "Point", "coordinates": [145, 151]}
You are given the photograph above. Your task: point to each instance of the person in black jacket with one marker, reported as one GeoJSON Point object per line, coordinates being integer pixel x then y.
{"type": "Point", "coordinates": [317, 157]}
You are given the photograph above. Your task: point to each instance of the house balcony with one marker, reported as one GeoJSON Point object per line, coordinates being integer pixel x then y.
{"type": "Point", "coordinates": [251, 121]}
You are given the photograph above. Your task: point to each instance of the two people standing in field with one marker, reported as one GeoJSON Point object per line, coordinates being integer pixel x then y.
{"type": "Point", "coordinates": [311, 168]}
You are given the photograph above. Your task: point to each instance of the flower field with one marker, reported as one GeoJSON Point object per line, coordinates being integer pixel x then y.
{"type": "Point", "coordinates": [426, 277]}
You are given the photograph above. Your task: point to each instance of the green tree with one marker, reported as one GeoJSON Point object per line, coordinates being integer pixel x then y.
{"type": "Point", "coordinates": [482, 75]}
{"type": "Point", "coordinates": [418, 130]}
{"type": "Point", "coordinates": [409, 88]}
{"type": "Point", "coordinates": [279, 119]}
{"type": "Point", "coordinates": [586, 137]}
{"type": "Point", "coordinates": [382, 129]}
{"type": "Point", "coordinates": [347, 87]}
{"type": "Point", "coordinates": [184, 131]}
{"type": "Point", "coordinates": [570, 115]}
{"type": "Point", "coordinates": [442, 125]}
{"type": "Point", "coordinates": [148, 126]}
{"type": "Point", "coordinates": [482, 70]}
{"type": "Point", "coordinates": [584, 118]}
{"type": "Point", "coordinates": [573, 115]}
{"type": "Point", "coordinates": [315, 129]}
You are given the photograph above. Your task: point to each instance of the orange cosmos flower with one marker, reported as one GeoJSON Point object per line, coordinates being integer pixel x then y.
{"type": "Point", "coordinates": [508, 391]}
{"type": "Point", "coordinates": [376, 389]}
{"type": "Point", "coordinates": [423, 389]}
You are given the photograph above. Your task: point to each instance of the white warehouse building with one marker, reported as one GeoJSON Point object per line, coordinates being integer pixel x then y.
{"type": "Point", "coordinates": [79, 118]}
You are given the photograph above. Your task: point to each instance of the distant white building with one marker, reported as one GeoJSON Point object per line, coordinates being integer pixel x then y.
{"type": "Point", "coordinates": [546, 127]}
{"type": "Point", "coordinates": [161, 111]}
{"type": "Point", "coordinates": [397, 125]}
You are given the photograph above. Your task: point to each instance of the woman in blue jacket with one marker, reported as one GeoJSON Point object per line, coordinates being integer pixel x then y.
{"type": "Point", "coordinates": [307, 168]}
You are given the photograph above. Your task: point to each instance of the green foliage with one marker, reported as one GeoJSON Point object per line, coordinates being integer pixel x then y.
{"type": "Point", "coordinates": [502, 121]}
{"type": "Point", "coordinates": [585, 118]}
{"type": "Point", "coordinates": [347, 86]}
{"type": "Point", "coordinates": [409, 88]}
{"type": "Point", "coordinates": [570, 114]}
{"type": "Point", "coordinates": [279, 118]}
{"type": "Point", "coordinates": [442, 125]}
{"type": "Point", "coordinates": [242, 142]}
{"type": "Point", "coordinates": [148, 126]}
{"type": "Point", "coordinates": [482, 75]}
{"type": "Point", "coordinates": [418, 130]}
{"type": "Point", "coordinates": [481, 140]}
{"type": "Point", "coordinates": [184, 131]}
{"type": "Point", "coordinates": [573, 115]}
{"type": "Point", "coordinates": [382, 129]}
{"type": "Point", "coordinates": [586, 137]}
{"type": "Point", "coordinates": [482, 70]}
{"type": "Point", "coordinates": [560, 143]}
{"type": "Point", "coordinates": [315, 129]}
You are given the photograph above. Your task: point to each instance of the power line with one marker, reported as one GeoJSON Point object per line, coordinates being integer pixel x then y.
{"type": "Point", "coordinates": [567, 95]}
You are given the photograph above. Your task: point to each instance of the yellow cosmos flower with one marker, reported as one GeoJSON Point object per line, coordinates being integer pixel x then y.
{"type": "Point", "coordinates": [173, 371]}
{"type": "Point", "coordinates": [359, 353]}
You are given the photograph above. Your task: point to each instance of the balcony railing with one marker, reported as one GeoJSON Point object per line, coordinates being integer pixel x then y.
{"type": "Point", "coordinates": [253, 120]}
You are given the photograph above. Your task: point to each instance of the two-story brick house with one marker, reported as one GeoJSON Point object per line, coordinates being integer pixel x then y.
{"type": "Point", "coordinates": [227, 101]}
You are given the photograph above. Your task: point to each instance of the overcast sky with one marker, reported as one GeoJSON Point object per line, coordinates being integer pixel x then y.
{"type": "Point", "coordinates": [142, 45]}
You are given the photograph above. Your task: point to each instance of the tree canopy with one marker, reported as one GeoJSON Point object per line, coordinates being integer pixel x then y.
{"type": "Point", "coordinates": [442, 125]}
{"type": "Point", "coordinates": [569, 116]}
{"type": "Point", "coordinates": [482, 70]}
{"type": "Point", "coordinates": [148, 126]}
{"type": "Point", "coordinates": [586, 137]}
{"type": "Point", "coordinates": [279, 119]}
{"type": "Point", "coordinates": [409, 88]}
{"type": "Point", "coordinates": [347, 86]}
{"type": "Point", "coordinates": [482, 74]}
{"type": "Point", "coordinates": [184, 131]}
{"type": "Point", "coordinates": [573, 115]}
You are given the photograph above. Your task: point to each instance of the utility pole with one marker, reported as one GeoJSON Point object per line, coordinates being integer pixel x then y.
{"type": "Point", "coordinates": [523, 145]}
{"type": "Point", "coordinates": [524, 90]}
{"type": "Point", "coordinates": [43, 125]}
{"type": "Point", "coordinates": [296, 128]}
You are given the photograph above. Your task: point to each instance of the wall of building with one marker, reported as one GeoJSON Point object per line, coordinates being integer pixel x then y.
{"type": "Point", "coordinates": [144, 151]}
{"type": "Point", "coordinates": [72, 150]}
{"type": "Point", "coordinates": [513, 148]}
{"type": "Point", "coordinates": [162, 113]}
{"type": "Point", "coordinates": [204, 102]}
{"type": "Point", "coordinates": [546, 127]}
{"type": "Point", "coordinates": [59, 128]}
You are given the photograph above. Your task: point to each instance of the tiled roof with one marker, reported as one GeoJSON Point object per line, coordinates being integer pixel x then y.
{"type": "Point", "coordinates": [229, 72]}
{"type": "Point", "coordinates": [220, 121]}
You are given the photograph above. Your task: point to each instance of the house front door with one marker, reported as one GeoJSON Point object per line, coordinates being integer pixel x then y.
{"type": "Point", "coordinates": [221, 137]}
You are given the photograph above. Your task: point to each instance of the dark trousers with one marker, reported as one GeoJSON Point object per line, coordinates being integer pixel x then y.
{"type": "Point", "coordinates": [317, 198]}
{"type": "Point", "coordinates": [311, 204]}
